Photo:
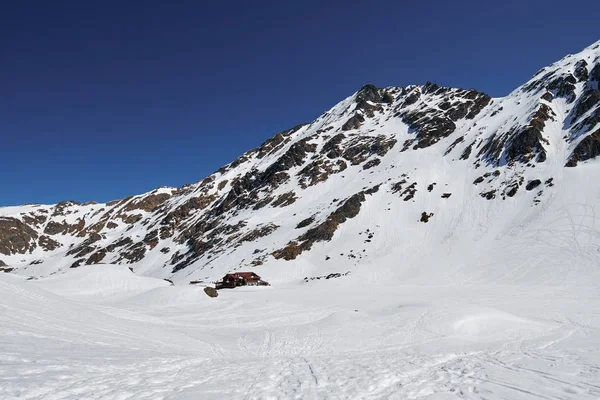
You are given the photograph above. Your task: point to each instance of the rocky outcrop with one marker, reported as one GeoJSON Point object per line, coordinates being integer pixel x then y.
{"type": "Point", "coordinates": [325, 230]}
{"type": "Point", "coordinates": [586, 149]}
{"type": "Point", "coordinates": [16, 237]}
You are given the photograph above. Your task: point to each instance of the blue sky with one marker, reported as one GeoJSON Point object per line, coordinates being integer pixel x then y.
{"type": "Point", "coordinates": [101, 100]}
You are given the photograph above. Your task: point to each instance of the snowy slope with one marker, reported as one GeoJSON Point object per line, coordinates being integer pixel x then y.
{"type": "Point", "coordinates": [329, 339]}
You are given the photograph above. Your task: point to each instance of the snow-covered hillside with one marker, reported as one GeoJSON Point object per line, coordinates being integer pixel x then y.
{"type": "Point", "coordinates": [426, 170]}
{"type": "Point", "coordinates": [461, 229]}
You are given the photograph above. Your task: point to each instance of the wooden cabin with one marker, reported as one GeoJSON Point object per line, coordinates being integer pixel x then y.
{"type": "Point", "coordinates": [235, 279]}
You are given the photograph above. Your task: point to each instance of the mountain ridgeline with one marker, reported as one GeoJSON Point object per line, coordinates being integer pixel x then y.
{"type": "Point", "coordinates": [396, 170]}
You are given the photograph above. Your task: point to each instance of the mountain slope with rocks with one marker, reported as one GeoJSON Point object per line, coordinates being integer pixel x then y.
{"type": "Point", "coordinates": [401, 179]}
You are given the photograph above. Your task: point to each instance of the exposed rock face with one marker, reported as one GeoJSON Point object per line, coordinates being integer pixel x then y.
{"type": "Point", "coordinates": [433, 123]}
{"type": "Point", "coordinates": [16, 237]}
{"type": "Point", "coordinates": [324, 231]}
{"type": "Point", "coordinates": [588, 148]}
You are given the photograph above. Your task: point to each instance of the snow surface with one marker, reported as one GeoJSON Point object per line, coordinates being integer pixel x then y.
{"type": "Point", "coordinates": [121, 336]}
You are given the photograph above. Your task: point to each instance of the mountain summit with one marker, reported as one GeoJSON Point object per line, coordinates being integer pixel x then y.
{"type": "Point", "coordinates": [420, 182]}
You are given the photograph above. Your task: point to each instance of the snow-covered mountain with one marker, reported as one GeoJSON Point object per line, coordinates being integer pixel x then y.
{"type": "Point", "coordinates": [421, 182]}
{"type": "Point", "coordinates": [422, 243]}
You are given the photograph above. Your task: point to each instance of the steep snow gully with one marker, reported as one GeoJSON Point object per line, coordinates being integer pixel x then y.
{"type": "Point", "coordinates": [458, 232]}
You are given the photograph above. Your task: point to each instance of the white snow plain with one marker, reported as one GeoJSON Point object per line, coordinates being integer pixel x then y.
{"type": "Point", "coordinates": [101, 332]}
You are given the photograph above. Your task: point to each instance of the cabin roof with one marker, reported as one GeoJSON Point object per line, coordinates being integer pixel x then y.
{"type": "Point", "coordinates": [243, 275]}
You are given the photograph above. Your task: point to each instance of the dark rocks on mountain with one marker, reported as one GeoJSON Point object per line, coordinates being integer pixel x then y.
{"type": "Point", "coordinates": [77, 263]}
{"type": "Point", "coordinates": [430, 187]}
{"type": "Point", "coordinates": [478, 180]}
{"type": "Point", "coordinates": [512, 190]}
{"type": "Point", "coordinates": [319, 170]}
{"type": "Point", "coordinates": [289, 252]}
{"type": "Point", "coordinates": [86, 247]}
{"type": "Point", "coordinates": [525, 144]}
{"type": "Point", "coordinates": [586, 149]}
{"type": "Point", "coordinates": [354, 122]}
{"type": "Point", "coordinates": [148, 203]}
{"type": "Point", "coordinates": [429, 127]}
{"type": "Point", "coordinates": [369, 93]}
{"type": "Point", "coordinates": [564, 86]}
{"type": "Point", "coordinates": [285, 199]}
{"type": "Point", "coordinates": [410, 191]}
{"type": "Point", "coordinates": [453, 145]}
{"type": "Point", "coordinates": [165, 250]}
{"type": "Point", "coordinates": [412, 98]}
{"type": "Point", "coordinates": [34, 220]}
{"type": "Point", "coordinates": [119, 243]}
{"type": "Point", "coordinates": [263, 202]}
{"type": "Point", "coordinates": [257, 262]}
{"type": "Point", "coordinates": [130, 219]}
{"type": "Point", "coordinates": [222, 184]}
{"type": "Point", "coordinates": [533, 184]}
{"type": "Point", "coordinates": [362, 147]}
{"type": "Point", "coordinates": [151, 239]}
{"type": "Point", "coordinates": [96, 257]}
{"type": "Point", "coordinates": [430, 87]}
{"type": "Point", "coordinates": [183, 211]}
{"type": "Point", "coordinates": [589, 99]}
{"type": "Point", "coordinates": [294, 157]}
{"type": "Point", "coordinates": [60, 208]}
{"type": "Point", "coordinates": [16, 237]}
{"type": "Point", "coordinates": [211, 291]}
{"type": "Point", "coordinates": [595, 73]}
{"type": "Point", "coordinates": [387, 98]}
{"type": "Point", "coordinates": [490, 195]}
{"type": "Point", "coordinates": [547, 96]}
{"type": "Point", "coordinates": [581, 71]}
{"type": "Point", "coordinates": [332, 148]}
{"type": "Point", "coordinates": [492, 149]}
{"type": "Point", "coordinates": [134, 253]}
{"type": "Point", "coordinates": [271, 145]}
{"type": "Point", "coordinates": [396, 187]}
{"type": "Point", "coordinates": [425, 216]}
{"type": "Point", "coordinates": [372, 163]}
{"type": "Point", "coordinates": [48, 244]}
{"type": "Point", "coordinates": [479, 103]}
{"type": "Point", "coordinates": [446, 195]}
{"type": "Point", "coordinates": [55, 228]}
{"type": "Point", "coordinates": [2, 264]}
{"type": "Point", "coordinates": [305, 222]}
{"type": "Point", "coordinates": [258, 233]}
{"type": "Point", "coordinates": [466, 152]}
{"type": "Point", "coordinates": [372, 190]}
{"type": "Point", "coordinates": [324, 231]}
{"type": "Point", "coordinates": [458, 112]}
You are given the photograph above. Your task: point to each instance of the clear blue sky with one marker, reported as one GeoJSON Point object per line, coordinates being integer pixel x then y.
{"type": "Point", "coordinates": [103, 99]}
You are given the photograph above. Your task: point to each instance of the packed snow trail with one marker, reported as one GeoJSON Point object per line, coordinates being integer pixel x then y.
{"type": "Point", "coordinates": [152, 341]}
